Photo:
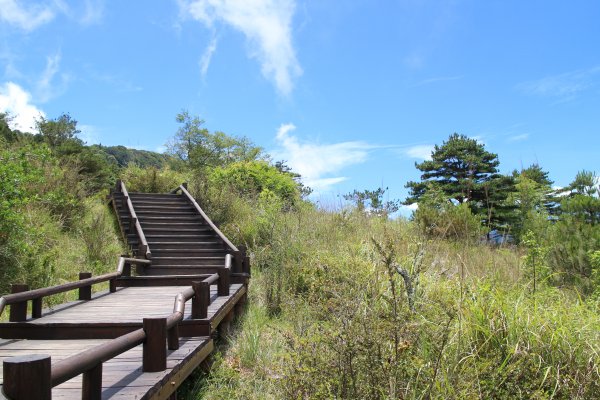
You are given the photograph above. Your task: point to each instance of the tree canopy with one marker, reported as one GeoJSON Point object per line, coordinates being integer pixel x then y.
{"type": "Point", "coordinates": [463, 171]}
{"type": "Point", "coordinates": [201, 148]}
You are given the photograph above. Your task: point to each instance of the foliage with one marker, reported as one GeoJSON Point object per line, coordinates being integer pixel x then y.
{"type": "Point", "coordinates": [256, 178]}
{"type": "Point", "coordinates": [124, 156]}
{"type": "Point", "coordinates": [58, 132]}
{"type": "Point", "coordinates": [438, 218]}
{"type": "Point", "coordinates": [152, 180]}
{"type": "Point", "coordinates": [464, 172]}
{"type": "Point", "coordinates": [536, 268]}
{"type": "Point", "coordinates": [333, 319]}
{"type": "Point", "coordinates": [199, 148]}
{"type": "Point", "coordinates": [372, 202]}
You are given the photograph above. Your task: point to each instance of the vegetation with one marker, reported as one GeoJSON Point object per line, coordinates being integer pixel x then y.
{"type": "Point", "coordinates": [347, 303]}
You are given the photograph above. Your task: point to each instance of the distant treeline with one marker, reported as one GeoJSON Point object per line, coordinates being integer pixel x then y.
{"type": "Point", "coordinates": [124, 156]}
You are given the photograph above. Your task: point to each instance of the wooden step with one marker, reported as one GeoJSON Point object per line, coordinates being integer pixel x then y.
{"type": "Point", "coordinates": [213, 247]}
{"type": "Point", "coordinates": [144, 214]}
{"type": "Point", "coordinates": [182, 270]}
{"type": "Point", "coordinates": [214, 260]}
{"type": "Point", "coordinates": [163, 217]}
{"type": "Point", "coordinates": [178, 237]}
{"type": "Point", "coordinates": [163, 207]}
{"type": "Point", "coordinates": [154, 196]}
{"type": "Point", "coordinates": [187, 253]}
{"type": "Point", "coordinates": [186, 245]}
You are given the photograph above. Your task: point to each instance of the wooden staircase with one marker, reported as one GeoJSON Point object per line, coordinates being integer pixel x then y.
{"type": "Point", "coordinates": [179, 238]}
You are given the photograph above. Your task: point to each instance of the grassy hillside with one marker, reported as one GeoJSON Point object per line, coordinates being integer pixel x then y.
{"type": "Point", "coordinates": [330, 317]}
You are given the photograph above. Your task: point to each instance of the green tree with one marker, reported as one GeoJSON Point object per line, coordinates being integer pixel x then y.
{"type": "Point", "coordinates": [465, 173]}
{"type": "Point", "coordinates": [60, 131]}
{"type": "Point", "coordinates": [372, 201]}
{"type": "Point", "coordinates": [583, 199]}
{"type": "Point", "coordinates": [533, 200]}
{"type": "Point", "coordinates": [196, 146]}
{"type": "Point", "coordinates": [5, 132]}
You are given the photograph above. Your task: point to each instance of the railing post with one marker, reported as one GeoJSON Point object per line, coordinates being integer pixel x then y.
{"type": "Point", "coordinates": [223, 284]}
{"type": "Point", "coordinates": [173, 337]}
{"type": "Point", "coordinates": [18, 311]}
{"type": "Point", "coordinates": [237, 261]}
{"type": "Point", "coordinates": [85, 293]}
{"type": "Point", "coordinates": [27, 377]}
{"type": "Point", "coordinates": [36, 307]}
{"type": "Point", "coordinates": [126, 269]}
{"type": "Point", "coordinates": [200, 300]}
{"type": "Point", "coordinates": [92, 384]}
{"type": "Point", "coordinates": [132, 224]}
{"type": "Point", "coordinates": [118, 186]}
{"type": "Point", "coordinates": [112, 285]}
{"type": "Point", "coordinates": [246, 266]}
{"type": "Point", "coordinates": [185, 185]}
{"type": "Point", "coordinates": [154, 349]}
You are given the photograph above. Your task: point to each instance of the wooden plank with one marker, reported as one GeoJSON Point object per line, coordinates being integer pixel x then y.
{"type": "Point", "coordinates": [122, 376]}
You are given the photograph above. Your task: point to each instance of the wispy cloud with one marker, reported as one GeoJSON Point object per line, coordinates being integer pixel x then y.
{"type": "Point", "coordinates": [421, 151]}
{"type": "Point", "coordinates": [207, 56]}
{"type": "Point", "coordinates": [518, 138]}
{"type": "Point", "coordinates": [565, 86]}
{"type": "Point", "coordinates": [437, 80]}
{"type": "Point", "coordinates": [316, 162]}
{"type": "Point", "coordinates": [93, 12]}
{"type": "Point", "coordinates": [47, 87]}
{"type": "Point", "coordinates": [27, 17]}
{"type": "Point", "coordinates": [267, 27]}
{"type": "Point", "coordinates": [17, 102]}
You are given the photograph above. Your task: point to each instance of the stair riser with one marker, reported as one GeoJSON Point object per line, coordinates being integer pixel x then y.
{"type": "Point", "coordinates": [201, 261]}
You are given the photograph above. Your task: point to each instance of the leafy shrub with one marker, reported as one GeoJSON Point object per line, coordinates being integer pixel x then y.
{"type": "Point", "coordinates": [253, 178]}
{"type": "Point", "coordinates": [151, 180]}
{"type": "Point", "coordinates": [449, 221]}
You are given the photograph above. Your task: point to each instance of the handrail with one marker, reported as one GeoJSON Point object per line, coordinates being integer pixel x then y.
{"type": "Point", "coordinates": [79, 363]}
{"type": "Point", "coordinates": [65, 287]}
{"type": "Point", "coordinates": [208, 220]}
{"type": "Point", "coordinates": [152, 335]}
{"type": "Point", "coordinates": [134, 219]}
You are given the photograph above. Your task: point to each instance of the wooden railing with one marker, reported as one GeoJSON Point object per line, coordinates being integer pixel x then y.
{"type": "Point", "coordinates": [143, 247]}
{"type": "Point", "coordinates": [20, 373]}
{"type": "Point", "coordinates": [240, 260]}
{"type": "Point", "coordinates": [21, 294]}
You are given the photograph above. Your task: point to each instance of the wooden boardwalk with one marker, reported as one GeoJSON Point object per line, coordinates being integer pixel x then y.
{"type": "Point", "coordinates": [138, 340]}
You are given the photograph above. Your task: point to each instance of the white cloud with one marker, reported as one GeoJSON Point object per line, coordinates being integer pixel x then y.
{"type": "Point", "coordinates": [207, 56]}
{"type": "Point", "coordinates": [267, 27]}
{"type": "Point", "coordinates": [518, 138]}
{"type": "Point", "coordinates": [92, 13]}
{"type": "Point", "coordinates": [46, 88]}
{"type": "Point", "coordinates": [422, 151]}
{"type": "Point", "coordinates": [564, 86]}
{"type": "Point", "coordinates": [314, 161]}
{"type": "Point", "coordinates": [27, 17]}
{"type": "Point", "coordinates": [16, 101]}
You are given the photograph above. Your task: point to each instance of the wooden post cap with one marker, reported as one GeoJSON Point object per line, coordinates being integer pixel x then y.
{"type": "Point", "coordinates": [27, 377]}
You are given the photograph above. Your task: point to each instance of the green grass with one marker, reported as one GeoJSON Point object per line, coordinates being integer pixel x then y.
{"type": "Point", "coordinates": [329, 318]}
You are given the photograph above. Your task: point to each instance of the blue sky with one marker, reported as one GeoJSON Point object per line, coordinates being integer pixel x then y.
{"type": "Point", "coordinates": [350, 93]}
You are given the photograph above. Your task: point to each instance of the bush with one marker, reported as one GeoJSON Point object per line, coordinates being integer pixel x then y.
{"type": "Point", "coordinates": [151, 180]}
{"type": "Point", "coordinates": [448, 222]}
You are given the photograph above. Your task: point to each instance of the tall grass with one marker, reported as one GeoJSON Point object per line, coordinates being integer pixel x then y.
{"type": "Point", "coordinates": [330, 317]}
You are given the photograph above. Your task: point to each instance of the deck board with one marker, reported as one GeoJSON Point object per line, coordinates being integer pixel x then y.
{"type": "Point", "coordinates": [128, 305]}
{"type": "Point", "coordinates": [122, 376]}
